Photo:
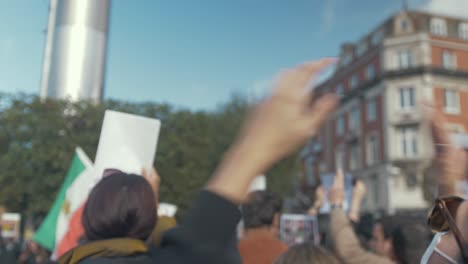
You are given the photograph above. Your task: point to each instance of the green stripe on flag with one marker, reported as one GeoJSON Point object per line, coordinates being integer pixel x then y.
{"type": "Point", "coordinates": [45, 235]}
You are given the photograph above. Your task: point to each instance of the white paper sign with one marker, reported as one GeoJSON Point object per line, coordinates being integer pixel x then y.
{"type": "Point", "coordinates": [10, 225]}
{"type": "Point", "coordinates": [298, 228]}
{"type": "Point", "coordinates": [167, 209]}
{"type": "Point", "coordinates": [127, 143]}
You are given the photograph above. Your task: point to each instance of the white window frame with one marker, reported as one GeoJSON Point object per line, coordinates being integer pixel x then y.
{"type": "Point", "coordinates": [463, 31]}
{"type": "Point", "coordinates": [371, 109]}
{"type": "Point", "coordinates": [452, 109]}
{"type": "Point", "coordinates": [371, 157]}
{"type": "Point", "coordinates": [449, 59]}
{"type": "Point", "coordinates": [370, 71]}
{"type": "Point", "coordinates": [354, 81]}
{"type": "Point", "coordinates": [340, 125]}
{"type": "Point", "coordinates": [405, 59]}
{"type": "Point", "coordinates": [438, 26]}
{"type": "Point", "coordinates": [355, 119]}
{"type": "Point", "coordinates": [406, 103]}
{"type": "Point", "coordinates": [355, 157]}
{"type": "Point", "coordinates": [408, 141]}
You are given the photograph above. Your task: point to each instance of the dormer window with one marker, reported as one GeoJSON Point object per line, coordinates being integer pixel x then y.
{"type": "Point", "coordinates": [404, 25]}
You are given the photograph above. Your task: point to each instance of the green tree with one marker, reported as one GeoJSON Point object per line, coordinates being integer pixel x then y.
{"type": "Point", "coordinates": [37, 141]}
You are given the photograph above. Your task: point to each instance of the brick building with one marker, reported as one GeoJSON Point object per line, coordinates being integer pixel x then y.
{"type": "Point", "coordinates": [379, 132]}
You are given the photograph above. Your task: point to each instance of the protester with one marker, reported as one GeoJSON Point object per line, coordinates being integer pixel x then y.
{"type": "Point", "coordinates": [389, 234]}
{"type": "Point", "coordinates": [261, 214]}
{"type": "Point", "coordinates": [450, 244]}
{"type": "Point", "coordinates": [33, 254]}
{"type": "Point", "coordinates": [121, 210]}
{"type": "Point", "coordinates": [306, 253]}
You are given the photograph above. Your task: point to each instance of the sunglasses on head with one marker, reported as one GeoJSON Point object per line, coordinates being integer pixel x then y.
{"type": "Point", "coordinates": [442, 219]}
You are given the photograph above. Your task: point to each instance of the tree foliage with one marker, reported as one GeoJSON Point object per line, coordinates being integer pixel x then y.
{"type": "Point", "coordinates": [37, 141]}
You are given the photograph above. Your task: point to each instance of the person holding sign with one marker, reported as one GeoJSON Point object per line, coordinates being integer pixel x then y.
{"type": "Point", "coordinates": [125, 205]}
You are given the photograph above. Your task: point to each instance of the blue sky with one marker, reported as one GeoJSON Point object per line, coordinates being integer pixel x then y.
{"type": "Point", "coordinates": [194, 54]}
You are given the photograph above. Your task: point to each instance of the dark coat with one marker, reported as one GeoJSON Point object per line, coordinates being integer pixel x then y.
{"type": "Point", "coordinates": [206, 235]}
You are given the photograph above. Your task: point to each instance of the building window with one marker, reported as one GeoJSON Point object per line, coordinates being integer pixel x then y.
{"type": "Point", "coordinates": [354, 81]}
{"type": "Point", "coordinates": [405, 59]}
{"type": "Point", "coordinates": [371, 110]}
{"type": "Point", "coordinates": [408, 141]}
{"type": "Point", "coordinates": [372, 156]}
{"type": "Point", "coordinates": [370, 71]}
{"type": "Point", "coordinates": [340, 125]}
{"type": "Point", "coordinates": [438, 27]}
{"type": "Point", "coordinates": [339, 157]}
{"type": "Point", "coordinates": [407, 98]}
{"type": "Point", "coordinates": [361, 48]}
{"type": "Point", "coordinates": [463, 31]}
{"type": "Point", "coordinates": [354, 157]}
{"type": "Point", "coordinates": [449, 60]}
{"type": "Point", "coordinates": [376, 38]}
{"type": "Point", "coordinates": [451, 101]}
{"type": "Point", "coordinates": [355, 119]}
{"type": "Point", "coordinates": [340, 90]}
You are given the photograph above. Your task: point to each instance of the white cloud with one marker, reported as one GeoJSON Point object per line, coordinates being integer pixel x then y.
{"type": "Point", "coordinates": [458, 8]}
{"type": "Point", "coordinates": [328, 15]}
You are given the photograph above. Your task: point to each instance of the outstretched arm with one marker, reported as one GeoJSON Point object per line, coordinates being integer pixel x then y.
{"type": "Point", "coordinates": [274, 129]}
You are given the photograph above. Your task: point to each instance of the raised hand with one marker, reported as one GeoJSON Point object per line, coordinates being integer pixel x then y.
{"type": "Point", "coordinates": [154, 180]}
{"type": "Point", "coordinates": [450, 160]}
{"type": "Point", "coordinates": [337, 194]}
{"type": "Point", "coordinates": [283, 122]}
{"type": "Point", "coordinates": [359, 192]}
{"type": "Point", "coordinates": [274, 129]}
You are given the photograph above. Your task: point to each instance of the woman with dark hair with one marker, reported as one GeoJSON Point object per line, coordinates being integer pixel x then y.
{"type": "Point", "coordinates": [307, 253]}
{"type": "Point", "coordinates": [121, 210]}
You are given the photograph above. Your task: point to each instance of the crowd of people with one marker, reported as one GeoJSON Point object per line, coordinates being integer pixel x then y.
{"type": "Point", "coordinates": [120, 215]}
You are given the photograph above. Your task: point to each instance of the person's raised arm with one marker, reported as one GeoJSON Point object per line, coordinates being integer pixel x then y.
{"type": "Point", "coordinates": [450, 160]}
{"type": "Point", "coordinates": [345, 241]}
{"type": "Point", "coordinates": [273, 130]}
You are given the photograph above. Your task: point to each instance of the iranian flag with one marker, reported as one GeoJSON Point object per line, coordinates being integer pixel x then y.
{"type": "Point", "coordinates": [62, 229]}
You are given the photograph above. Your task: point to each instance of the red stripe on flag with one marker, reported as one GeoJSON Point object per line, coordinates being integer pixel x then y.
{"type": "Point", "coordinates": [74, 233]}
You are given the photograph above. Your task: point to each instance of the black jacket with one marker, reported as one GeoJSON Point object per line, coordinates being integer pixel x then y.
{"type": "Point", "coordinates": [206, 235]}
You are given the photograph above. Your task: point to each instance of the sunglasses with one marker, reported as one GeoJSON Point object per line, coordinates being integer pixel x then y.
{"type": "Point", "coordinates": [442, 219]}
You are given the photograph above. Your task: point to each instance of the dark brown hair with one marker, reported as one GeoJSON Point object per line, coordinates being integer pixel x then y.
{"type": "Point", "coordinates": [120, 206]}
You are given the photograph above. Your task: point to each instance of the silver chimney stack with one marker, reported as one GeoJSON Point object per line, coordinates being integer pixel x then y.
{"type": "Point", "coordinates": [75, 50]}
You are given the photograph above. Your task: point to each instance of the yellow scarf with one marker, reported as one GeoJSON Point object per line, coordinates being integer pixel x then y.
{"type": "Point", "coordinates": [120, 247]}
